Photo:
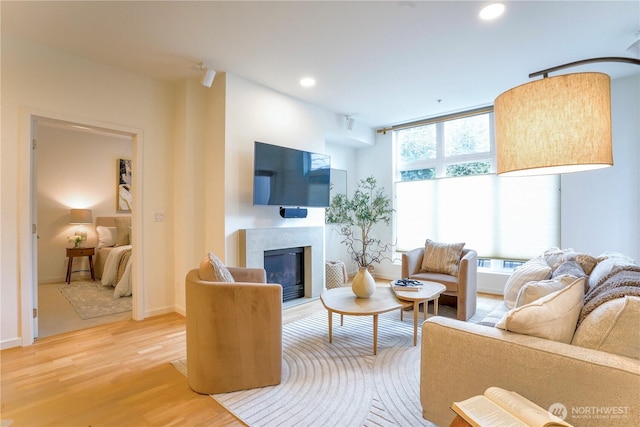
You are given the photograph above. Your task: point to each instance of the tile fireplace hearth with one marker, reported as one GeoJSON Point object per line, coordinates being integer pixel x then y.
{"type": "Point", "coordinates": [255, 241]}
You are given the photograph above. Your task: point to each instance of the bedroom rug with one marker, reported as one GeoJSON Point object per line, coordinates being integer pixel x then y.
{"type": "Point", "coordinates": [343, 383]}
{"type": "Point", "coordinates": [91, 299]}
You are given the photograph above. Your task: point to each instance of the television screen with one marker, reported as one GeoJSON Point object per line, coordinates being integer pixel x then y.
{"type": "Point", "coordinates": [288, 177]}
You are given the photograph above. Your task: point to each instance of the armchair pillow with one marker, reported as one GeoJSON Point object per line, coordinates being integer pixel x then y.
{"type": "Point", "coordinates": [212, 269]}
{"type": "Point", "coordinates": [441, 257]}
{"type": "Point", "coordinates": [553, 317]}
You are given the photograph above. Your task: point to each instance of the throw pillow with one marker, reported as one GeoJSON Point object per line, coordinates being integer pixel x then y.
{"type": "Point", "coordinates": [531, 271]}
{"type": "Point", "coordinates": [533, 291]}
{"type": "Point", "coordinates": [586, 261]}
{"type": "Point", "coordinates": [212, 269]}
{"type": "Point", "coordinates": [122, 227]}
{"type": "Point", "coordinates": [442, 257]}
{"type": "Point", "coordinates": [571, 268]}
{"type": "Point", "coordinates": [553, 257]}
{"type": "Point", "coordinates": [552, 317]}
{"type": "Point", "coordinates": [606, 263]}
{"type": "Point", "coordinates": [612, 327]}
{"type": "Point", "coordinates": [106, 236]}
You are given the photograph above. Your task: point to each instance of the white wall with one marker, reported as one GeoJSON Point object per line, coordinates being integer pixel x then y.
{"type": "Point", "coordinates": [342, 157]}
{"type": "Point", "coordinates": [76, 169]}
{"type": "Point", "coordinates": [601, 209]}
{"type": "Point", "coordinates": [73, 87]}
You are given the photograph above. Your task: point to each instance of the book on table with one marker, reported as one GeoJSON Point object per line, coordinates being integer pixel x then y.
{"type": "Point", "coordinates": [502, 408]}
{"type": "Point", "coordinates": [407, 285]}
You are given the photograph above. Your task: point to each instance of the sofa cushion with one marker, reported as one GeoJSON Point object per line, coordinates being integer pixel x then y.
{"type": "Point", "coordinates": [442, 257]}
{"type": "Point", "coordinates": [212, 269]}
{"type": "Point", "coordinates": [533, 270]}
{"type": "Point", "coordinates": [612, 327]}
{"type": "Point", "coordinates": [449, 281]}
{"type": "Point", "coordinates": [494, 316]}
{"type": "Point", "coordinates": [551, 317]}
{"type": "Point", "coordinates": [535, 290]}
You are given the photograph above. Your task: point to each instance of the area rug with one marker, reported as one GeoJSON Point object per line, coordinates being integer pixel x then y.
{"type": "Point", "coordinates": [91, 299]}
{"type": "Point", "coordinates": [343, 383]}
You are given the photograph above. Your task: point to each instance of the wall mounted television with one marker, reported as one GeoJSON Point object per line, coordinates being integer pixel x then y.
{"type": "Point", "coordinates": [288, 177]}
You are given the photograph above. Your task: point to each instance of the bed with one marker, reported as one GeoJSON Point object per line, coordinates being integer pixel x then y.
{"type": "Point", "coordinates": [114, 254]}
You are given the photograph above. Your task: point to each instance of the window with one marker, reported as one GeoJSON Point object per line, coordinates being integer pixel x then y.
{"type": "Point", "coordinates": [446, 189]}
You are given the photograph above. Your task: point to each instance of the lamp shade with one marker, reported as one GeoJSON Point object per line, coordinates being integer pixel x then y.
{"type": "Point", "coordinates": [554, 125]}
{"type": "Point", "coordinates": [80, 216]}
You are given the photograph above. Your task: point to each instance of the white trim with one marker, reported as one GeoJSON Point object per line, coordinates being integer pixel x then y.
{"type": "Point", "coordinates": [25, 205]}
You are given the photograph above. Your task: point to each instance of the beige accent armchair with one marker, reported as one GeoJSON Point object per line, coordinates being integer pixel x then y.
{"type": "Point", "coordinates": [234, 331]}
{"type": "Point", "coordinates": [463, 287]}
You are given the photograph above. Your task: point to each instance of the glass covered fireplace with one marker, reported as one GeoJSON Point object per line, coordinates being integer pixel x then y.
{"type": "Point", "coordinates": [286, 267]}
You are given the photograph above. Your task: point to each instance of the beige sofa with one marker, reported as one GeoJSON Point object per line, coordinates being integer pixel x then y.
{"type": "Point", "coordinates": [595, 383]}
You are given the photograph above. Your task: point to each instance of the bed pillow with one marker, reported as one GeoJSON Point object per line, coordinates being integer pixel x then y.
{"type": "Point", "coordinates": [122, 227]}
{"type": "Point", "coordinates": [212, 269]}
{"type": "Point", "coordinates": [553, 317]}
{"type": "Point", "coordinates": [534, 270]}
{"type": "Point", "coordinates": [106, 236]}
{"type": "Point", "coordinates": [441, 257]}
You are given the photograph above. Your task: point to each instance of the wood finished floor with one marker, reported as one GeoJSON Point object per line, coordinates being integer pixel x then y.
{"type": "Point", "coordinates": [111, 375]}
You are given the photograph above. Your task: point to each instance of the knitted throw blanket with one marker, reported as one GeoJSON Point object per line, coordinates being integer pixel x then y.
{"type": "Point", "coordinates": [621, 281]}
{"type": "Point", "coordinates": [122, 264]}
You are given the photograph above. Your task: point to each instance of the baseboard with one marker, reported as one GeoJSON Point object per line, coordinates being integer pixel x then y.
{"type": "Point", "coordinates": [14, 342]}
{"type": "Point", "coordinates": [160, 311]}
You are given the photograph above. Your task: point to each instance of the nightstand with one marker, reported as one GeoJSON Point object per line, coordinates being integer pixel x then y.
{"type": "Point", "coordinates": [78, 252]}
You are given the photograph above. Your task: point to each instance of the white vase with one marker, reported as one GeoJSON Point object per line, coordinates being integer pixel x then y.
{"type": "Point", "coordinates": [363, 284]}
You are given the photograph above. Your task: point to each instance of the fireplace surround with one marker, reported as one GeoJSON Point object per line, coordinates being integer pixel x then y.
{"type": "Point", "coordinates": [255, 241]}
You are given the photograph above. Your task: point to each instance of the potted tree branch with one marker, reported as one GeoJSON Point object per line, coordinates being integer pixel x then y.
{"type": "Point", "coordinates": [354, 219]}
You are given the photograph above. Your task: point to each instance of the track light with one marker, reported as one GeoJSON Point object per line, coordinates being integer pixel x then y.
{"type": "Point", "coordinates": [209, 74]}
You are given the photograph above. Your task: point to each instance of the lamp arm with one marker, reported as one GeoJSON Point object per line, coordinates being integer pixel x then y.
{"type": "Point", "coordinates": [545, 73]}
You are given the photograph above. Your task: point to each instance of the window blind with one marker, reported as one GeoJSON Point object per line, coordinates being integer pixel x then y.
{"type": "Point", "coordinates": [505, 218]}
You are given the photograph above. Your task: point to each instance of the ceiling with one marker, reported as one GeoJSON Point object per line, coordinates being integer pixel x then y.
{"type": "Point", "coordinates": [382, 62]}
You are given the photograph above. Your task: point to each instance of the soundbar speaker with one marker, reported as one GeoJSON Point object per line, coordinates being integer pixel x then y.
{"type": "Point", "coordinates": [293, 212]}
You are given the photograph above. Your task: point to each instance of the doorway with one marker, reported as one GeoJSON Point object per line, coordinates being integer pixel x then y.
{"type": "Point", "coordinates": [76, 168]}
{"type": "Point", "coordinates": [29, 207]}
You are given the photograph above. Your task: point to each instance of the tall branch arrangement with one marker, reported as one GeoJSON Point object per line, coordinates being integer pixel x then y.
{"type": "Point", "coordinates": [355, 217]}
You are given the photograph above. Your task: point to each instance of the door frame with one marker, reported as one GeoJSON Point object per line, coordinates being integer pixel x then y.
{"type": "Point", "coordinates": [27, 245]}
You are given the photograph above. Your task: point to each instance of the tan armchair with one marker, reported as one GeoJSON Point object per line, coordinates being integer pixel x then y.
{"type": "Point", "coordinates": [234, 331]}
{"type": "Point", "coordinates": [463, 287]}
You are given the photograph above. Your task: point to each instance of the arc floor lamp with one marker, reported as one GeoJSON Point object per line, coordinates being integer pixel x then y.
{"type": "Point", "coordinates": [557, 124]}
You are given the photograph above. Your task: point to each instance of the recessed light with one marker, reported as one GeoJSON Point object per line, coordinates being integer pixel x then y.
{"type": "Point", "coordinates": [491, 11]}
{"type": "Point", "coordinates": [307, 82]}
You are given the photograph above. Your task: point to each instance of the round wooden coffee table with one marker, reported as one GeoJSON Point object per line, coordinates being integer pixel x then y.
{"type": "Point", "coordinates": [344, 302]}
{"type": "Point", "coordinates": [430, 291]}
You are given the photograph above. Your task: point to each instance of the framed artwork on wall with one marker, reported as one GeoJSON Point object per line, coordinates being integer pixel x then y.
{"type": "Point", "coordinates": [123, 197]}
